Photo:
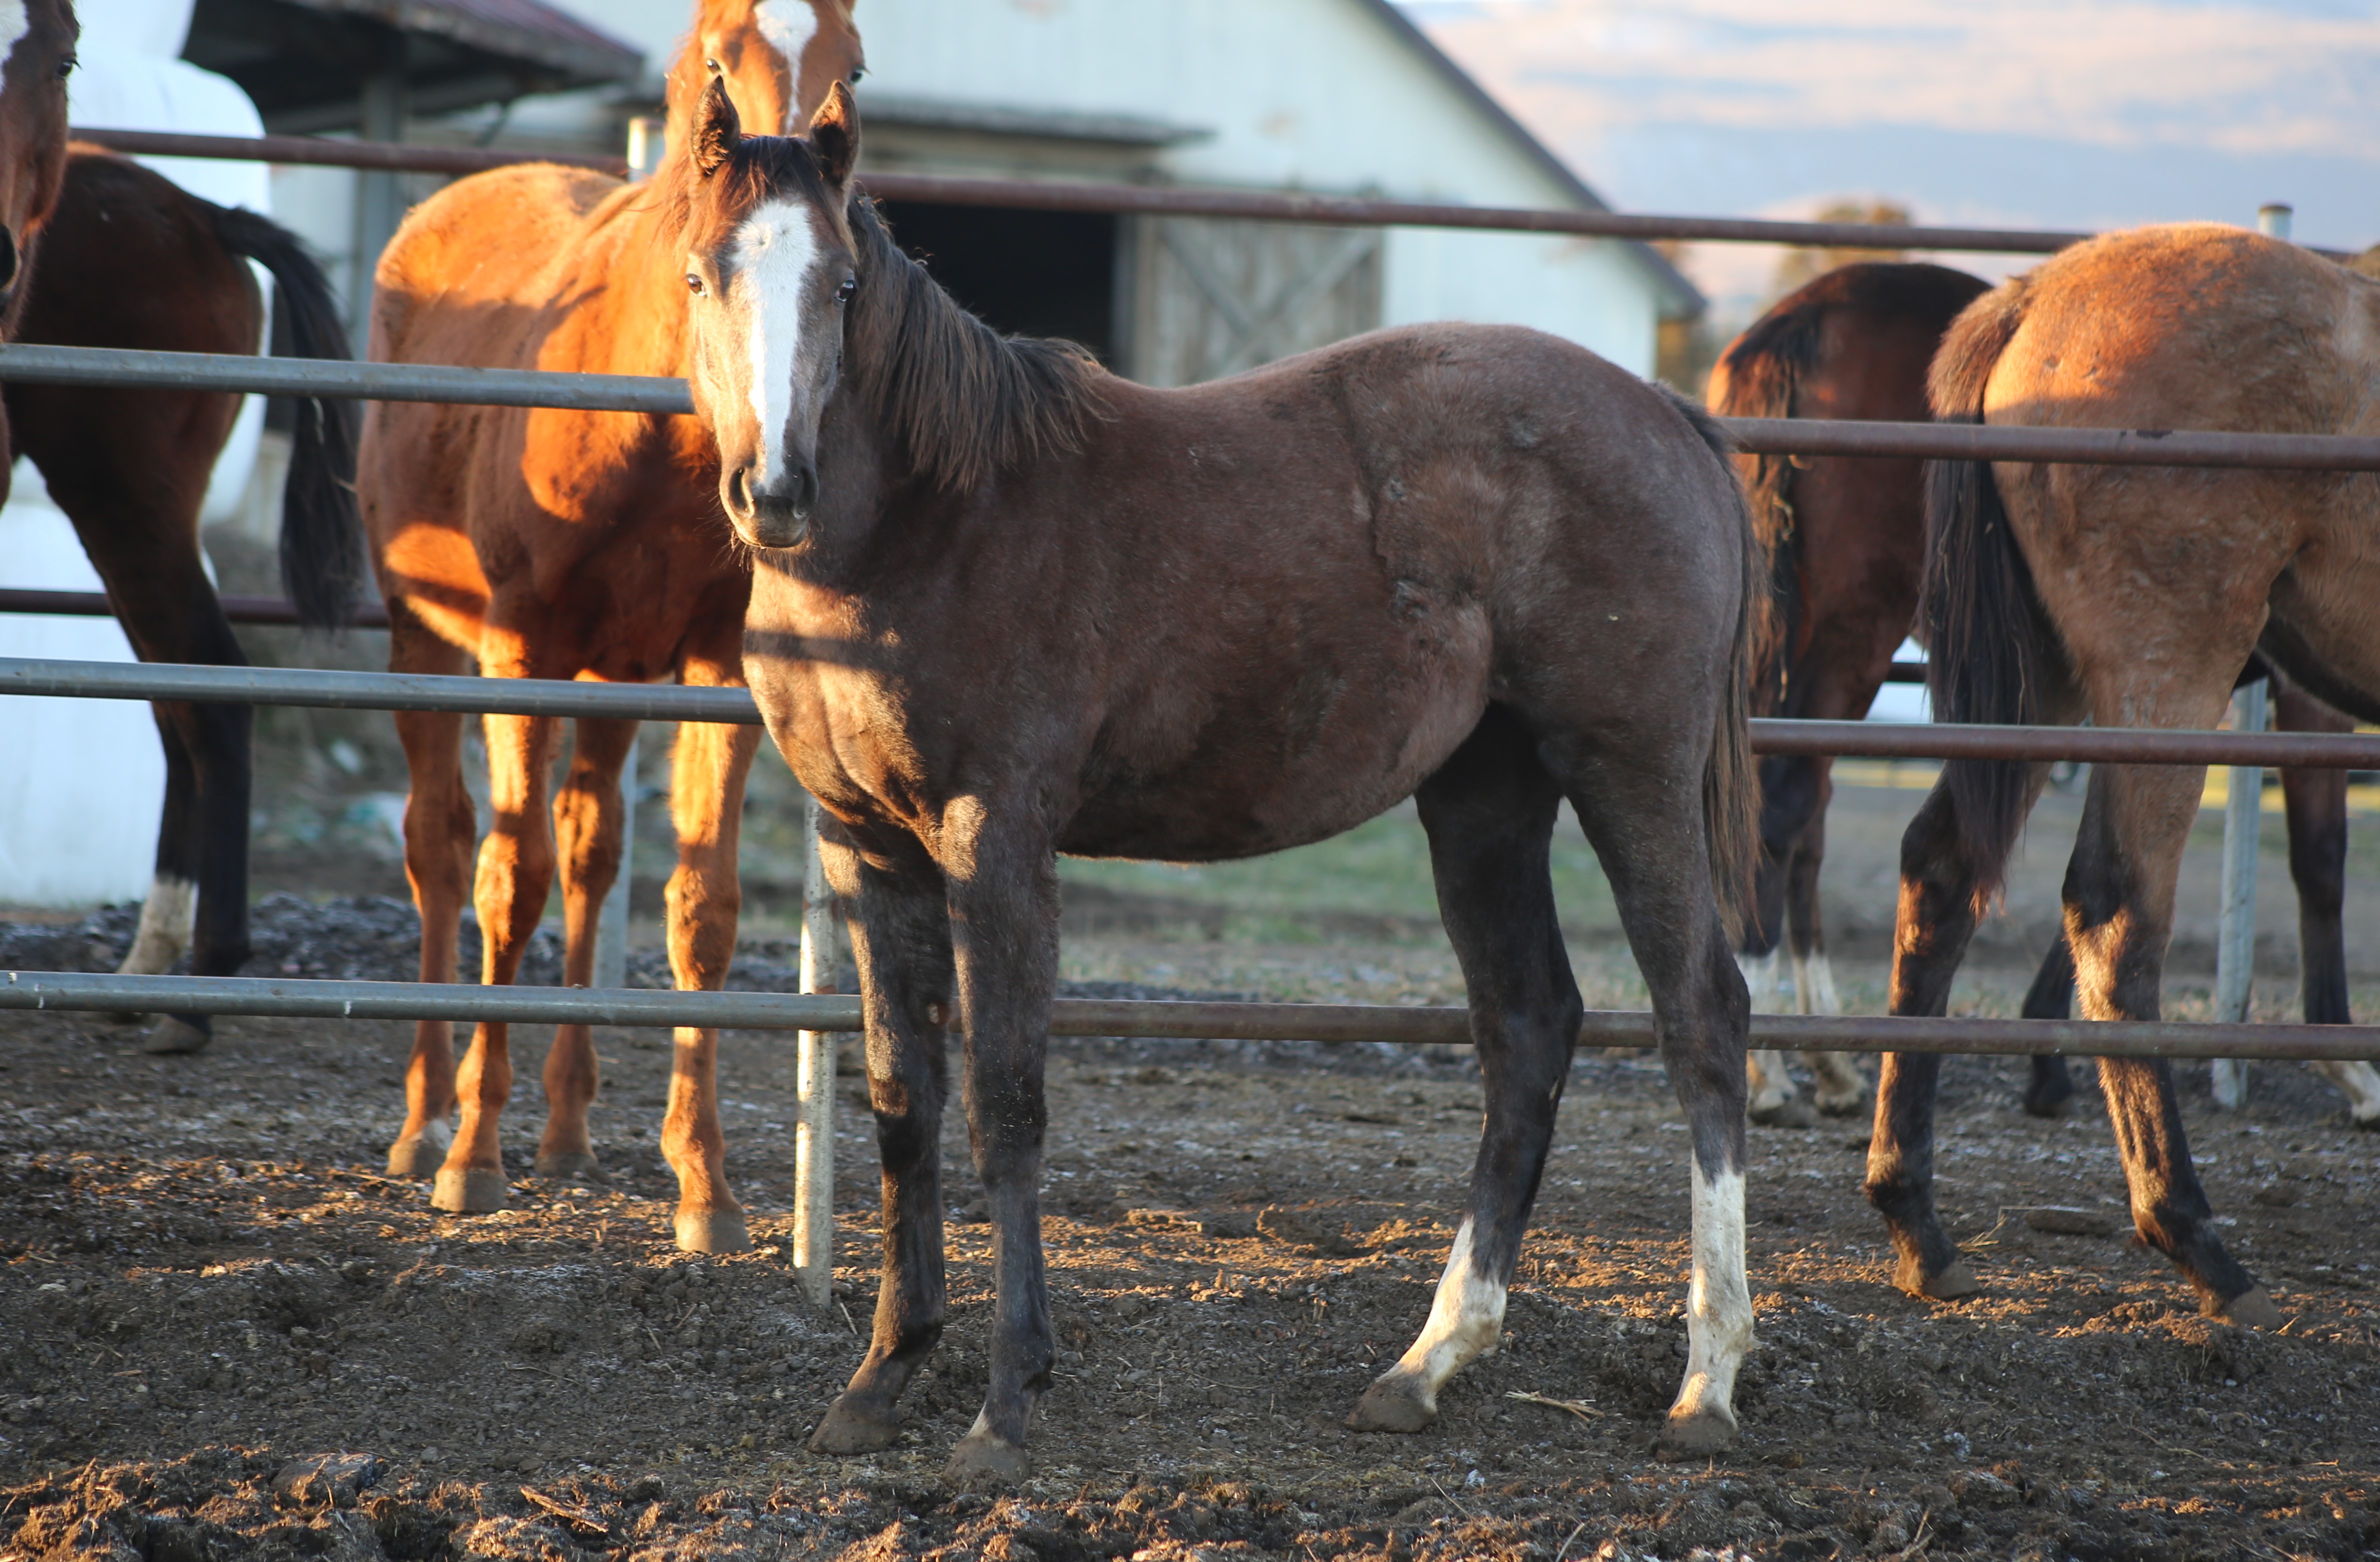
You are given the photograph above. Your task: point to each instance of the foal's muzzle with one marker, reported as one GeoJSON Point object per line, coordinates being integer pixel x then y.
{"type": "Point", "coordinates": [770, 517]}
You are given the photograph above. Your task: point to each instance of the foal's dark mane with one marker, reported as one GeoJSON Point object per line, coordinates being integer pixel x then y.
{"type": "Point", "coordinates": [962, 401]}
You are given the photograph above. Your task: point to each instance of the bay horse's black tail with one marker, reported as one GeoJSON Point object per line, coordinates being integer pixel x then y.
{"type": "Point", "coordinates": [1764, 370]}
{"type": "Point", "coordinates": [321, 532]}
{"type": "Point", "coordinates": [1989, 645]}
{"type": "Point", "coordinates": [1732, 775]}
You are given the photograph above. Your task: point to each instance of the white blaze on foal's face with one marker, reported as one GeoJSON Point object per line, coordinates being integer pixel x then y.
{"type": "Point", "coordinates": [776, 257]}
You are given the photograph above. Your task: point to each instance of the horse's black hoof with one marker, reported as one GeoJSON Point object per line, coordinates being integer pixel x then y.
{"type": "Point", "coordinates": [2056, 1103]}
{"type": "Point", "coordinates": [856, 1426]}
{"type": "Point", "coordinates": [1953, 1282]}
{"type": "Point", "coordinates": [1794, 1111]}
{"type": "Point", "coordinates": [2252, 1309]}
{"type": "Point", "coordinates": [176, 1038]}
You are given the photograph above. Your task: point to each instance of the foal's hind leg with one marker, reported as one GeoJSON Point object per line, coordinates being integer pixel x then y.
{"type": "Point", "coordinates": [900, 938]}
{"type": "Point", "coordinates": [2316, 806]}
{"type": "Point", "coordinates": [586, 818]}
{"type": "Point", "coordinates": [1489, 812]}
{"type": "Point", "coordinates": [1645, 821]}
{"type": "Point", "coordinates": [1841, 1088]}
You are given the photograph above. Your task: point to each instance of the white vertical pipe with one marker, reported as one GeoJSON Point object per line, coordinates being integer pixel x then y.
{"type": "Point", "coordinates": [814, 1070]}
{"type": "Point", "coordinates": [612, 923]}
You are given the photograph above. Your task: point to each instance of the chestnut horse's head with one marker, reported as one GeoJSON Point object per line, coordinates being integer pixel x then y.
{"type": "Point", "coordinates": [778, 57]}
{"type": "Point", "coordinates": [37, 39]}
{"type": "Point", "coordinates": [769, 268]}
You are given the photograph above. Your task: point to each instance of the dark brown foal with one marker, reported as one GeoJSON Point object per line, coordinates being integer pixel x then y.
{"type": "Point", "coordinates": [1005, 606]}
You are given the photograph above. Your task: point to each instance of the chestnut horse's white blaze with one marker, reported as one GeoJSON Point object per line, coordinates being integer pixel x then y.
{"type": "Point", "coordinates": [789, 26]}
{"type": "Point", "coordinates": [1464, 1324]}
{"type": "Point", "coordinates": [776, 253]}
{"type": "Point", "coordinates": [14, 22]}
{"type": "Point", "coordinates": [1719, 1307]}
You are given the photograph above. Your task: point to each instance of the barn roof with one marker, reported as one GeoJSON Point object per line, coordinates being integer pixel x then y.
{"type": "Point", "coordinates": [1684, 300]}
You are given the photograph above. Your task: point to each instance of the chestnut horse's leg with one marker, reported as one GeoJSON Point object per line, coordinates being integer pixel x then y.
{"type": "Point", "coordinates": [2118, 894]}
{"type": "Point", "coordinates": [2050, 1091]}
{"type": "Point", "coordinates": [900, 938]}
{"type": "Point", "coordinates": [440, 828]}
{"type": "Point", "coordinates": [2315, 802]}
{"type": "Point", "coordinates": [1002, 876]}
{"type": "Point", "coordinates": [1490, 812]}
{"type": "Point", "coordinates": [586, 818]}
{"type": "Point", "coordinates": [1792, 795]}
{"type": "Point", "coordinates": [1641, 803]}
{"type": "Point", "coordinates": [516, 876]}
{"type": "Point", "coordinates": [708, 765]}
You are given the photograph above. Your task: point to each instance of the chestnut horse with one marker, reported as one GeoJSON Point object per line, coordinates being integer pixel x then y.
{"type": "Point", "coordinates": [1005, 606]}
{"type": "Point", "coordinates": [2133, 596]}
{"type": "Point", "coordinates": [554, 544]}
{"type": "Point", "coordinates": [1846, 541]}
{"type": "Point", "coordinates": [129, 259]}
{"type": "Point", "coordinates": [1844, 537]}
{"type": "Point", "coordinates": [36, 57]}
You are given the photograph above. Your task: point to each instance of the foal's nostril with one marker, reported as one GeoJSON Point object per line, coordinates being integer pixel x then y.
{"type": "Point", "coordinates": [739, 492]}
{"type": "Point", "coordinates": [805, 491]}
{"type": "Point", "coordinates": [7, 256]}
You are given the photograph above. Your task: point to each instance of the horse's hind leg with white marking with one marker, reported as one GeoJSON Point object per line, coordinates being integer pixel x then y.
{"type": "Point", "coordinates": [1490, 812]}
{"type": "Point", "coordinates": [1645, 821]}
{"type": "Point", "coordinates": [2316, 805]}
{"type": "Point", "coordinates": [901, 939]}
{"type": "Point", "coordinates": [586, 818]}
{"type": "Point", "coordinates": [1841, 1088]}
{"type": "Point", "coordinates": [1791, 796]}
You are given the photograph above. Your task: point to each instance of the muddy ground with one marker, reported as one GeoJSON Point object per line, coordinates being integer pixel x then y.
{"type": "Point", "coordinates": [206, 1285]}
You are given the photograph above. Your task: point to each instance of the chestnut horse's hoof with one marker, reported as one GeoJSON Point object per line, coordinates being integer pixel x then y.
{"type": "Point", "coordinates": [1697, 1434]}
{"type": "Point", "coordinates": [570, 1166]}
{"type": "Point", "coordinates": [855, 1427]}
{"type": "Point", "coordinates": [421, 1155]}
{"type": "Point", "coordinates": [1391, 1404]}
{"type": "Point", "coordinates": [1954, 1283]}
{"type": "Point", "coordinates": [984, 1458]}
{"type": "Point", "coordinates": [2252, 1309]}
{"type": "Point", "coordinates": [176, 1037]}
{"type": "Point", "coordinates": [1788, 1111]}
{"type": "Point", "coordinates": [712, 1230]}
{"type": "Point", "coordinates": [467, 1190]}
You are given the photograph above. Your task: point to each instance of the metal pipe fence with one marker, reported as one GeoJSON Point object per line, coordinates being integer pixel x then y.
{"type": "Point", "coordinates": [1145, 199]}
{"type": "Point", "coordinates": [1328, 1024]}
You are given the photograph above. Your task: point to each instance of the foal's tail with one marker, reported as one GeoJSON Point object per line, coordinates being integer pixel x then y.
{"type": "Point", "coordinates": [1989, 644]}
{"type": "Point", "coordinates": [1732, 775]}
{"type": "Point", "coordinates": [322, 534]}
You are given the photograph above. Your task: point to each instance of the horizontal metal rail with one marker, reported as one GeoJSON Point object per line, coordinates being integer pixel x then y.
{"type": "Point", "coordinates": [1146, 200]}
{"type": "Point", "coordinates": [325, 689]}
{"type": "Point", "coordinates": [39, 365]}
{"type": "Point", "coordinates": [1337, 1023]}
{"type": "Point", "coordinates": [240, 609]}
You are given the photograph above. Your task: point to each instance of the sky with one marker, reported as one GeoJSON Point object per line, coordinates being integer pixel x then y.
{"type": "Point", "coordinates": [2067, 114]}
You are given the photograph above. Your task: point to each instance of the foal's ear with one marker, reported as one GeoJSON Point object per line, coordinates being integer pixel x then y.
{"type": "Point", "coordinates": [834, 136]}
{"type": "Point", "coordinates": [716, 128]}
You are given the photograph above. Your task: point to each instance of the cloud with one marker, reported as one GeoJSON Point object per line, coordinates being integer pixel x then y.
{"type": "Point", "coordinates": [2237, 79]}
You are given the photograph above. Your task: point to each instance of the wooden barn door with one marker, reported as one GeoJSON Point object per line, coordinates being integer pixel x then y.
{"type": "Point", "coordinates": [1211, 297]}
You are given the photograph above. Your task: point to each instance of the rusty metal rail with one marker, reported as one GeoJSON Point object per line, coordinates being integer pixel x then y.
{"type": "Point", "coordinates": [240, 609]}
{"type": "Point", "coordinates": [1331, 1024]}
{"type": "Point", "coordinates": [1142, 199]}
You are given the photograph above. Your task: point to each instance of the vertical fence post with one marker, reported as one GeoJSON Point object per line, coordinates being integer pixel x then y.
{"type": "Point", "coordinates": [612, 923]}
{"type": "Point", "coordinates": [814, 1070]}
{"type": "Point", "coordinates": [2235, 936]}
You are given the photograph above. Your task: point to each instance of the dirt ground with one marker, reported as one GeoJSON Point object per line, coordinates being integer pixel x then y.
{"type": "Point", "coordinates": [208, 1289]}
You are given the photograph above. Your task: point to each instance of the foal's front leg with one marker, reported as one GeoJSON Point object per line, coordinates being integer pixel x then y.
{"type": "Point", "coordinates": [1003, 901]}
{"type": "Point", "coordinates": [901, 938]}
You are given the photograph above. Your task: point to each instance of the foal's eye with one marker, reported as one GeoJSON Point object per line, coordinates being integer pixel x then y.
{"type": "Point", "coordinates": [843, 294]}
{"type": "Point", "coordinates": [694, 285]}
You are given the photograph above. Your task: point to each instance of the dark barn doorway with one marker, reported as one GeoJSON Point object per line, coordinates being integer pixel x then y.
{"type": "Point", "coordinates": [1032, 274]}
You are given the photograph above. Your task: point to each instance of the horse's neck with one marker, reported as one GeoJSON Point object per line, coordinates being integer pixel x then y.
{"type": "Point", "coordinates": [633, 318]}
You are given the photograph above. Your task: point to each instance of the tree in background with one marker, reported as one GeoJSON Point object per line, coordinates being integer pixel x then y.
{"type": "Point", "coordinates": [1802, 266]}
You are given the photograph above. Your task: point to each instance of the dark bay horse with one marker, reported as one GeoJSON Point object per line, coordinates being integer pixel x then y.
{"type": "Point", "coordinates": [1005, 606]}
{"type": "Point", "coordinates": [556, 544]}
{"type": "Point", "coordinates": [1845, 538]}
{"type": "Point", "coordinates": [129, 259]}
{"type": "Point", "coordinates": [1846, 543]}
{"type": "Point", "coordinates": [2133, 596]}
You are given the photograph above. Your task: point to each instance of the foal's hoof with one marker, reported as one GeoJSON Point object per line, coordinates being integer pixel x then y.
{"type": "Point", "coordinates": [712, 1230]}
{"type": "Point", "coordinates": [1954, 1283]}
{"type": "Point", "coordinates": [176, 1037]}
{"type": "Point", "coordinates": [1697, 1434]}
{"type": "Point", "coordinates": [984, 1459]}
{"type": "Point", "coordinates": [2252, 1309]}
{"type": "Point", "coordinates": [570, 1166]}
{"type": "Point", "coordinates": [1790, 1111]}
{"type": "Point", "coordinates": [468, 1190]}
{"type": "Point", "coordinates": [1391, 1404]}
{"type": "Point", "coordinates": [421, 1155]}
{"type": "Point", "coordinates": [855, 1427]}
